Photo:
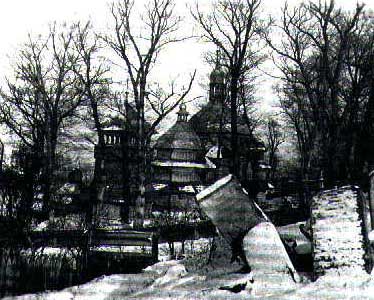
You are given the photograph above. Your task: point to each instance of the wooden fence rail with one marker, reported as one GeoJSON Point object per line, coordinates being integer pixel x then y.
{"type": "Point", "coordinates": [79, 238]}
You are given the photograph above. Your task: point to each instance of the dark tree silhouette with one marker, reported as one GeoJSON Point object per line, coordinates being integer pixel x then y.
{"type": "Point", "coordinates": [273, 139]}
{"type": "Point", "coordinates": [43, 94]}
{"type": "Point", "coordinates": [233, 26]}
{"type": "Point", "coordinates": [323, 91]}
{"type": "Point", "coordinates": [139, 48]}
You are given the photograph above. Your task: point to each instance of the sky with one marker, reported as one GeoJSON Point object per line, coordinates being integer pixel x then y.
{"type": "Point", "coordinates": [18, 18]}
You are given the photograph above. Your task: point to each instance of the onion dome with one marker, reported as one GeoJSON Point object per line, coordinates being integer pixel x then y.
{"type": "Point", "coordinates": [217, 75]}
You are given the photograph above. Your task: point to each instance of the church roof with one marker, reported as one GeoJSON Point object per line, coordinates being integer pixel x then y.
{"type": "Point", "coordinates": [127, 120]}
{"type": "Point", "coordinates": [179, 136]}
{"type": "Point", "coordinates": [207, 125]}
{"type": "Point", "coordinates": [208, 120]}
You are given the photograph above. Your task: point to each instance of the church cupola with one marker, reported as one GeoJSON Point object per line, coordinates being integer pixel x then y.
{"type": "Point", "coordinates": [217, 82]}
{"type": "Point", "coordinates": [182, 113]}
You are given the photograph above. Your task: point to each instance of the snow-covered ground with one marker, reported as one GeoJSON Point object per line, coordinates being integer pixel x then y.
{"type": "Point", "coordinates": [171, 280]}
{"type": "Point", "coordinates": [195, 278]}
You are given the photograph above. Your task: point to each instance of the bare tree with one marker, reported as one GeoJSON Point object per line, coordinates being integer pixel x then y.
{"type": "Point", "coordinates": [312, 56]}
{"type": "Point", "coordinates": [298, 115]}
{"type": "Point", "coordinates": [139, 48]}
{"type": "Point", "coordinates": [92, 72]}
{"type": "Point", "coordinates": [273, 139]}
{"type": "Point", "coordinates": [358, 96]}
{"type": "Point", "coordinates": [158, 105]}
{"type": "Point", "coordinates": [161, 102]}
{"type": "Point", "coordinates": [233, 26]}
{"type": "Point", "coordinates": [247, 102]}
{"type": "Point", "coordinates": [42, 95]}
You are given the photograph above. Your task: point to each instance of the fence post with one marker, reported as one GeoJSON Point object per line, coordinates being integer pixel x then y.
{"type": "Point", "coordinates": [321, 181]}
{"type": "Point", "coordinates": [155, 247]}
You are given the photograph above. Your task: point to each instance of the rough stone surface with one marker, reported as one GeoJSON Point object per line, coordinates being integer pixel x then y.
{"type": "Point", "coordinates": [266, 254]}
{"type": "Point", "coordinates": [338, 242]}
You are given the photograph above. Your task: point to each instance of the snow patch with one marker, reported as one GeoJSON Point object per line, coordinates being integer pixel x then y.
{"type": "Point", "coordinates": [180, 164]}
{"type": "Point", "coordinates": [266, 254]}
{"type": "Point", "coordinates": [172, 275]}
{"type": "Point", "coordinates": [371, 236]}
{"type": "Point", "coordinates": [210, 189]}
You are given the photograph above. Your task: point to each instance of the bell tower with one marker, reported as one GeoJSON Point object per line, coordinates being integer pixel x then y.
{"type": "Point", "coordinates": [217, 82]}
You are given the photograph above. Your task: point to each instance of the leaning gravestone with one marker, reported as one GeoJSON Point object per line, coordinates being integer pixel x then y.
{"type": "Point", "coordinates": [339, 232]}
{"type": "Point", "coordinates": [243, 225]}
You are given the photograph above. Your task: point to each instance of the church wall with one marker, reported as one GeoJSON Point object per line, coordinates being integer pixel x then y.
{"type": "Point", "coordinates": [183, 155]}
{"type": "Point", "coordinates": [184, 175]}
{"type": "Point", "coordinates": [173, 201]}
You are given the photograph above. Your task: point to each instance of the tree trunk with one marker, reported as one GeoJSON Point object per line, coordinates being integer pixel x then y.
{"type": "Point", "coordinates": [125, 208]}
{"type": "Point", "coordinates": [95, 114]}
{"type": "Point", "coordinates": [140, 201]}
{"type": "Point", "coordinates": [51, 144]}
{"type": "Point", "coordinates": [234, 126]}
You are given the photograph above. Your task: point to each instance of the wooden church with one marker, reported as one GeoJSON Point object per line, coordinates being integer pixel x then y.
{"type": "Point", "coordinates": [195, 153]}
{"type": "Point", "coordinates": [179, 167]}
{"type": "Point", "coordinates": [192, 154]}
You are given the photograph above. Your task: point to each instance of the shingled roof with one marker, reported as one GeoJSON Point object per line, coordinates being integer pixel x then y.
{"type": "Point", "coordinates": [179, 136]}
{"type": "Point", "coordinates": [208, 122]}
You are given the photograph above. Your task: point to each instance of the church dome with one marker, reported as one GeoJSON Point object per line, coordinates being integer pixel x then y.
{"type": "Point", "coordinates": [180, 141]}
{"type": "Point", "coordinates": [213, 126]}
{"type": "Point", "coordinates": [217, 75]}
{"type": "Point", "coordinates": [208, 119]}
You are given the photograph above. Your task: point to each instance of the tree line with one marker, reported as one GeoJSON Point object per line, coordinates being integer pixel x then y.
{"type": "Point", "coordinates": [324, 56]}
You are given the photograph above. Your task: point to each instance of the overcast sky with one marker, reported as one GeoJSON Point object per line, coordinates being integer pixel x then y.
{"type": "Point", "coordinates": [20, 17]}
